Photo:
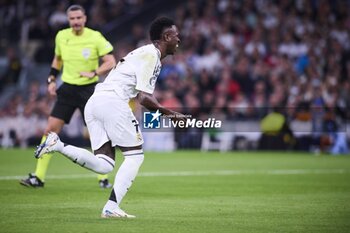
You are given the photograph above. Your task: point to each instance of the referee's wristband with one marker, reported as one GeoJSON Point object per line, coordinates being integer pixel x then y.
{"type": "Point", "coordinates": [54, 72]}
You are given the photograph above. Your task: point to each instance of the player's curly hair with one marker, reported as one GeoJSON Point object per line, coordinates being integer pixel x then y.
{"type": "Point", "coordinates": [157, 27]}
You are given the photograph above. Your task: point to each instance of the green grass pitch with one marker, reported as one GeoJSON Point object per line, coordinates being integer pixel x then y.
{"type": "Point", "coordinates": [184, 192]}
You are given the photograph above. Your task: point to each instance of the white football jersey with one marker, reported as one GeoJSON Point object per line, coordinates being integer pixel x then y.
{"type": "Point", "coordinates": [137, 71]}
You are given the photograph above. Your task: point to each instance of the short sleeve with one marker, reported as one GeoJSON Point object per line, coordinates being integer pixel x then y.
{"type": "Point", "coordinates": [103, 46]}
{"type": "Point", "coordinates": [147, 71]}
{"type": "Point", "coordinates": [57, 44]}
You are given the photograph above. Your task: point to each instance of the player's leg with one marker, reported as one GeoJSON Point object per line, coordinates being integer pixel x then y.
{"type": "Point", "coordinates": [102, 162]}
{"type": "Point", "coordinates": [84, 96]}
{"type": "Point", "coordinates": [126, 174]}
{"type": "Point", "coordinates": [129, 139]}
{"type": "Point", "coordinates": [38, 178]}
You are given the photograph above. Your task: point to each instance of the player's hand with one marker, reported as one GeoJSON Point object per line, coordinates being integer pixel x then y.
{"type": "Point", "coordinates": [88, 74]}
{"type": "Point", "coordinates": [51, 88]}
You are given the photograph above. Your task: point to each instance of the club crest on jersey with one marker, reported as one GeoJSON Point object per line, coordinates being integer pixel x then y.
{"type": "Point", "coordinates": [108, 45]}
{"type": "Point", "coordinates": [86, 52]}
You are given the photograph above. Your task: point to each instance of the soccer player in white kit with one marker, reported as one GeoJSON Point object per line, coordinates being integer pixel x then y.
{"type": "Point", "coordinates": [110, 120]}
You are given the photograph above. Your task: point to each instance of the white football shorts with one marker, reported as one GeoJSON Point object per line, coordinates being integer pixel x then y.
{"type": "Point", "coordinates": [108, 118]}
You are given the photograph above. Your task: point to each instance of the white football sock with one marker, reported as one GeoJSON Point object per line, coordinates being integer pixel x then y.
{"type": "Point", "coordinates": [124, 177]}
{"type": "Point", "coordinates": [110, 205]}
{"type": "Point", "coordinates": [100, 163]}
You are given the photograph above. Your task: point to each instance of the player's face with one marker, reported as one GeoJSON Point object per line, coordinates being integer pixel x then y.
{"type": "Point", "coordinates": [77, 20]}
{"type": "Point", "coordinates": [172, 38]}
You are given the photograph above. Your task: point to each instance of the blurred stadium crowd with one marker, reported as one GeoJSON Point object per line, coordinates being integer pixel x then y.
{"type": "Point", "coordinates": [238, 60]}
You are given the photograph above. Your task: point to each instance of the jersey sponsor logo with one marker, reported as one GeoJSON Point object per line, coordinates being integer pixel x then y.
{"type": "Point", "coordinates": [86, 52]}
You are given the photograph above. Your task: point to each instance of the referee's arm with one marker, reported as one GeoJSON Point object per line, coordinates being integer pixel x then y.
{"type": "Point", "coordinates": [55, 68]}
{"type": "Point", "coordinates": [108, 62]}
{"type": "Point", "coordinates": [57, 62]}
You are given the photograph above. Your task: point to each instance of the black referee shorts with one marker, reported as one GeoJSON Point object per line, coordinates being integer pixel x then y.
{"type": "Point", "coordinates": [69, 98]}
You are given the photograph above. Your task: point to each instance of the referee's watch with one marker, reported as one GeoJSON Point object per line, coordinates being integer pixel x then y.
{"type": "Point", "coordinates": [51, 79]}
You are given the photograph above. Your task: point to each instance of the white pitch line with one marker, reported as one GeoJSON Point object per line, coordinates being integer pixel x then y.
{"type": "Point", "coordinates": [204, 173]}
{"type": "Point", "coordinates": [247, 172]}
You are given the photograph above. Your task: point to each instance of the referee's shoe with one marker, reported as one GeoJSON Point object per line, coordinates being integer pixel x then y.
{"type": "Point", "coordinates": [105, 184]}
{"type": "Point", "coordinates": [32, 181]}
